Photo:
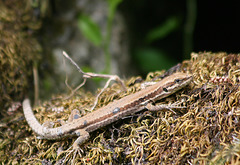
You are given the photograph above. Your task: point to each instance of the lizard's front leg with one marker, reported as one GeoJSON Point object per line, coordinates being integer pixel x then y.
{"type": "Point", "coordinates": [160, 107]}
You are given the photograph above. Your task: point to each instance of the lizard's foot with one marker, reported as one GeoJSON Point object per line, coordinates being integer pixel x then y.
{"type": "Point", "coordinates": [75, 150]}
{"type": "Point", "coordinates": [72, 152]}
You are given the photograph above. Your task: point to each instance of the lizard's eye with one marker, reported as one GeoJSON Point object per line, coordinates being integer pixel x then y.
{"type": "Point", "coordinates": [177, 80]}
{"type": "Point", "coordinates": [165, 90]}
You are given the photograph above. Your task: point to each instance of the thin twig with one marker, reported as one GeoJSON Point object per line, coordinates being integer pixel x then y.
{"type": "Point", "coordinates": [36, 84]}
{"type": "Point", "coordinates": [87, 75]}
{"type": "Point", "coordinates": [66, 80]}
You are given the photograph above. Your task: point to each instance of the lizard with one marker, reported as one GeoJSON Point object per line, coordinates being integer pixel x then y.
{"type": "Point", "coordinates": [82, 126]}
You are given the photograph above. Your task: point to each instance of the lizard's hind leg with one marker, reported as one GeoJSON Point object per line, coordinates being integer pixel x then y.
{"type": "Point", "coordinates": [75, 149]}
{"type": "Point", "coordinates": [82, 134]}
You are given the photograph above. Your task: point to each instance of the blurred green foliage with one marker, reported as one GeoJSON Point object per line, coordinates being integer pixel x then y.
{"type": "Point", "coordinates": [112, 6]}
{"type": "Point", "coordinates": [150, 59]}
{"type": "Point", "coordinates": [152, 51]}
{"type": "Point", "coordinates": [92, 31]}
{"type": "Point", "coordinates": [171, 24]}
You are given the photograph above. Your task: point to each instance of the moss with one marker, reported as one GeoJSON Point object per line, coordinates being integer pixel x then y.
{"type": "Point", "coordinates": [205, 132]}
{"type": "Point", "coordinates": [18, 49]}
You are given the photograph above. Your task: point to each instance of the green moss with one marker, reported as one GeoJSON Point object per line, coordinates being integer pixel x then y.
{"type": "Point", "coordinates": [206, 131]}
{"type": "Point", "coordinates": [18, 49]}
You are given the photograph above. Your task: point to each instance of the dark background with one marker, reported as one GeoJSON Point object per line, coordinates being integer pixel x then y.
{"type": "Point", "coordinates": [217, 26]}
{"type": "Point", "coordinates": [215, 29]}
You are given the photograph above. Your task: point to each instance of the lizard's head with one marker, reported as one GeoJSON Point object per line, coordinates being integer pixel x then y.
{"type": "Point", "coordinates": [176, 81]}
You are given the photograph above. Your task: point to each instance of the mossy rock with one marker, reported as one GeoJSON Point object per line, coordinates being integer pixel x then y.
{"type": "Point", "coordinates": [205, 132]}
{"type": "Point", "coordinates": [19, 50]}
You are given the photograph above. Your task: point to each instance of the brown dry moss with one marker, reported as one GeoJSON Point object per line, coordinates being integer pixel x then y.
{"type": "Point", "coordinates": [206, 132]}
{"type": "Point", "coordinates": [18, 49]}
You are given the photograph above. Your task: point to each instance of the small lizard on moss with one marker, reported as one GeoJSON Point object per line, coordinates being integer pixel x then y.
{"type": "Point", "coordinates": [116, 110]}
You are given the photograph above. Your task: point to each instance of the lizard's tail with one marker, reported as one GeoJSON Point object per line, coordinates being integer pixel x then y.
{"type": "Point", "coordinates": [31, 119]}
{"type": "Point", "coordinates": [43, 132]}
